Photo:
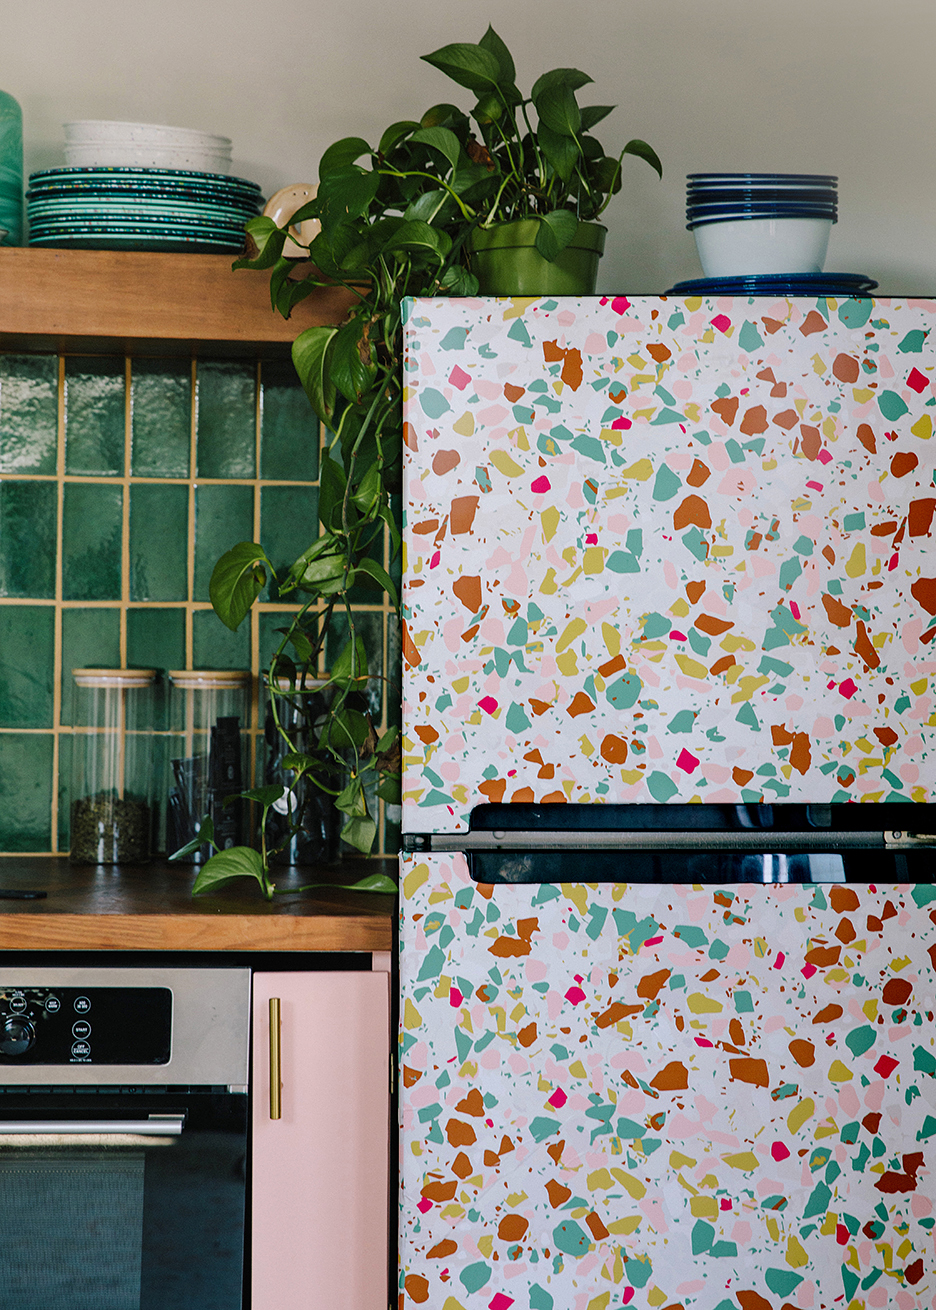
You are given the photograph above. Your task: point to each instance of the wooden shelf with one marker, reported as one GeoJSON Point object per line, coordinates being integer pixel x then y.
{"type": "Point", "coordinates": [103, 301]}
{"type": "Point", "coordinates": [151, 908]}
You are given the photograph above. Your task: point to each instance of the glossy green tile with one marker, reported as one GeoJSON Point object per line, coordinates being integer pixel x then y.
{"type": "Point", "coordinates": [26, 788]}
{"type": "Point", "coordinates": [27, 539]}
{"type": "Point", "coordinates": [28, 413]}
{"type": "Point", "coordinates": [223, 517]}
{"type": "Point", "coordinates": [27, 635]}
{"type": "Point", "coordinates": [156, 640]}
{"type": "Point", "coordinates": [215, 647]}
{"type": "Point", "coordinates": [91, 541]}
{"type": "Point", "coordinates": [288, 525]}
{"type": "Point", "coordinates": [64, 791]}
{"type": "Point", "coordinates": [227, 419]}
{"type": "Point", "coordinates": [94, 415]}
{"type": "Point", "coordinates": [161, 422]}
{"type": "Point", "coordinates": [158, 542]}
{"type": "Point", "coordinates": [289, 428]}
{"type": "Point", "coordinates": [90, 639]}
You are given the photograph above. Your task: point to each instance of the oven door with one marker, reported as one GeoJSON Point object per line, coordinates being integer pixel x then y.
{"type": "Point", "coordinates": [122, 1198]}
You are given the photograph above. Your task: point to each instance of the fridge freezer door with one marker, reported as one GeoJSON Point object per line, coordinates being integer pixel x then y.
{"type": "Point", "coordinates": [668, 550]}
{"type": "Point", "coordinates": [702, 1097]}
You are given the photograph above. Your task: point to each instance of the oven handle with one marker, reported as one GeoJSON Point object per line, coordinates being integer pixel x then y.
{"type": "Point", "coordinates": [163, 1125]}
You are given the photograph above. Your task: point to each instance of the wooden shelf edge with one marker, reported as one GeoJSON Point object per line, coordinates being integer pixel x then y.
{"type": "Point", "coordinates": [183, 932]}
{"type": "Point", "coordinates": [68, 300]}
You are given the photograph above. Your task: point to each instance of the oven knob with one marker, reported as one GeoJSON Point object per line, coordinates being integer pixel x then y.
{"type": "Point", "coordinates": [16, 1036]}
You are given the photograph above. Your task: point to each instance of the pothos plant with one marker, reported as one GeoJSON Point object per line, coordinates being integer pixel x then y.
{"type": "Point", "coordinates": [396, 222]}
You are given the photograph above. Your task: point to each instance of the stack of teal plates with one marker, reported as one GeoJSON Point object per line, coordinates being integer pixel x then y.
{"type": "Point", "coordinates": [140, 209]}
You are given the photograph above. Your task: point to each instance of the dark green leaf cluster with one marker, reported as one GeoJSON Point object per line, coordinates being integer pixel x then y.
{"type": "Point", "coordinates": [396, 222]}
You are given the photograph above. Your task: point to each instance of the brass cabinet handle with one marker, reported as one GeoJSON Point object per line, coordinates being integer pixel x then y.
{"type": "Point", "coordinates": [276, 1085]}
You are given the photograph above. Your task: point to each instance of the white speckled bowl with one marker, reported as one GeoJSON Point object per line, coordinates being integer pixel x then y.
{"type": "Point", "coordinates": [102, 129]}
{"type": "Point", "coordinates": [111, 154]}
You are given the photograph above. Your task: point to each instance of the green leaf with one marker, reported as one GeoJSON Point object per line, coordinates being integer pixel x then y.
{"type": "Point", "coordinates": [470, 66]}
{"type": "Point", "coordinates": [493, 43]}
{"type": "Point", "coordinates": [380, 576]}
{"type": "Point", "coordinates": [352, 363]}
{"type": "Point", "coordinates": [443, 116]}
{"type": "Point", "coordinates": [592, 114]}
{"type": "Point", "coordinates": [387, 740]}
{"type": "Point", "coordinates": [643, 151]}
{"type": "Point", "coordinates": [339, 158]}
{"type": "Point", "coordinates": [441, 139]}
{"type": "Point", "coordinates": [332, 483]}
{"type": "Point", "coordinates": [346, 727]}
{"type": "Point", "coordinates": [235, 862]}
{"type": "Point", "coordinates": [265, 244]}
{"type": "Point", "coordinates": [236, 581]}
{"type": "Point", "coordinates": [431, 205]}
{"type": "Point", "coordinates": [369, 491]}
{"type": "Point", "coordinates": [373, 882]}
{"type": "Point", "coordinates": [204, 834]}
{"type": "Point", "coordinates": [558, 109]}
{"type": "Point", "coordinates": [395, 133]}
{"type": "Point", "coordinates": [309, 354]}
{"type": "Point", "coordinates": [555, 232]}
{"type": "Point", "coordinates": [320, 568]}
{"type": "Point", "coordinates": [568, 77]}
{"type": "Point", "coordinates": [459, 282]}
{"type": "Point", "coordinates": [561, 151]}
{"type": "Point", "coordinates": [390, 789]}
{"type": "Point", "coordinates": [420, 236]}
{"type": "Point", "coordinates": [351, 662]}
{"type": "Point", "coordinates": [346, 195]}
{"type": "Point", "coordinates": [360, 833]}
{"type": "Point", "coordinates": [265, 796]}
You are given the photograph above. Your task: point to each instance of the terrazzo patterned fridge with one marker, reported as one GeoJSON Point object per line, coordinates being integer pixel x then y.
{"type": "Point", "coordinates": [667, 912]}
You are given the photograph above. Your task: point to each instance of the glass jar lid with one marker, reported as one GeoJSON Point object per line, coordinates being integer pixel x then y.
{"type": "Point", "coordinates": [114, 677]}
{"type": "Point", "coordinates": [209, 679]}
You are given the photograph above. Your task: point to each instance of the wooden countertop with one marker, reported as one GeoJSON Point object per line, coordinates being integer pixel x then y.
{"type": "Point", "coordinates": [150, 908]}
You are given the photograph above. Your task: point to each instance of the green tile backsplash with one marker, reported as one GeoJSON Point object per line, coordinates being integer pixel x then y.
{"type": "Point", "coordinates": [121, 482]}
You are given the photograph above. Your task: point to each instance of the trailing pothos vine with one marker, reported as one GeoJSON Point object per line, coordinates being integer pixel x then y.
{"type": "Point", "coordinates": [396, 223]}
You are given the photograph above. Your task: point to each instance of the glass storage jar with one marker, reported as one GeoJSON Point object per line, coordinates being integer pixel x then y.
{"type": "Point", "coordinates": [304, 824]}
{"type": "Point", "coordinates": [208, 716]}
{"type": "Point", "coordinates": [112, 766]}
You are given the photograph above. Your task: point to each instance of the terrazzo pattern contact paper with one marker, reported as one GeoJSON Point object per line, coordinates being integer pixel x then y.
{"type": "Point", "coordinates": [668, 549]}
{"type": "Point", "coordinates": [670, 1096]}
{"type": "Point", "coordinates": [660, 550]}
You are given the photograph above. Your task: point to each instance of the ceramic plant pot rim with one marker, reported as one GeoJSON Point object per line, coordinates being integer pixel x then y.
{"type": "Point", "coordinates": [522, 232]}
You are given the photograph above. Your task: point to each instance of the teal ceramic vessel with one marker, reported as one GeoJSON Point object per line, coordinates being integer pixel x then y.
{"type": "Point", "coordinates": [11, 170]}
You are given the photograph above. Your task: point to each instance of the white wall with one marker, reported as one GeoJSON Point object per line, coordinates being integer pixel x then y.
{"type": "Point", "coordinates": [837, 86]}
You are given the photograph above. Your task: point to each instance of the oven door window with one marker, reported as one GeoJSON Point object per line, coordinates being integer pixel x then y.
{"type": "Point", "coordinates": [121, 1206]}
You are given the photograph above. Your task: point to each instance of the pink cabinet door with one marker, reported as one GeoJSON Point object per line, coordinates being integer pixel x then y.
{"type": "Point", "coordinates": [320, 1171]}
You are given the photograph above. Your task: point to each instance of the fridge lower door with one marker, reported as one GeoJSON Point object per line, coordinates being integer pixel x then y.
{"type": "Point", "coordinates": [678, 1096]}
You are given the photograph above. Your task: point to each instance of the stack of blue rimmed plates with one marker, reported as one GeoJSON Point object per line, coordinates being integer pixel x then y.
{"type": "Point", "coordinates": [778, 284]}
{"type": "Point", "coordinates": [140, 209]}
{"type": "Point", "coordinates": [727, 197]}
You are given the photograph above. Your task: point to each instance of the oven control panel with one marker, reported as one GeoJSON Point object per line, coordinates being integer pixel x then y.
{"type": "Point", "coordinates": [85, 1025]}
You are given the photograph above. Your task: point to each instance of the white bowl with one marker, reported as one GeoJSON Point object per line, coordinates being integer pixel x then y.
{"type": "Point", "coordinates": [763, 245]}
{"type": "Point", "coordinates": [100, 129]}
{"type": "Point", "coordinates": [113, 155]}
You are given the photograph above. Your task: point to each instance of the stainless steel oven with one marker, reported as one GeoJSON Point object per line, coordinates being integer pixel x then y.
{"type": "Point", "coordinates": [123, 1138]}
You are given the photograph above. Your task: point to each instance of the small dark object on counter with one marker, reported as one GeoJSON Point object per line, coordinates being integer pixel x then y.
{"type": "Point", "coordinates": [11, 894]}
{"type": "Point", "coordinates": [105, 830]}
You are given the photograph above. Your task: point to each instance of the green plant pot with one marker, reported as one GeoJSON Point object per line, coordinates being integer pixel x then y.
{"type": "Point", "coordinates": [506, 262]}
